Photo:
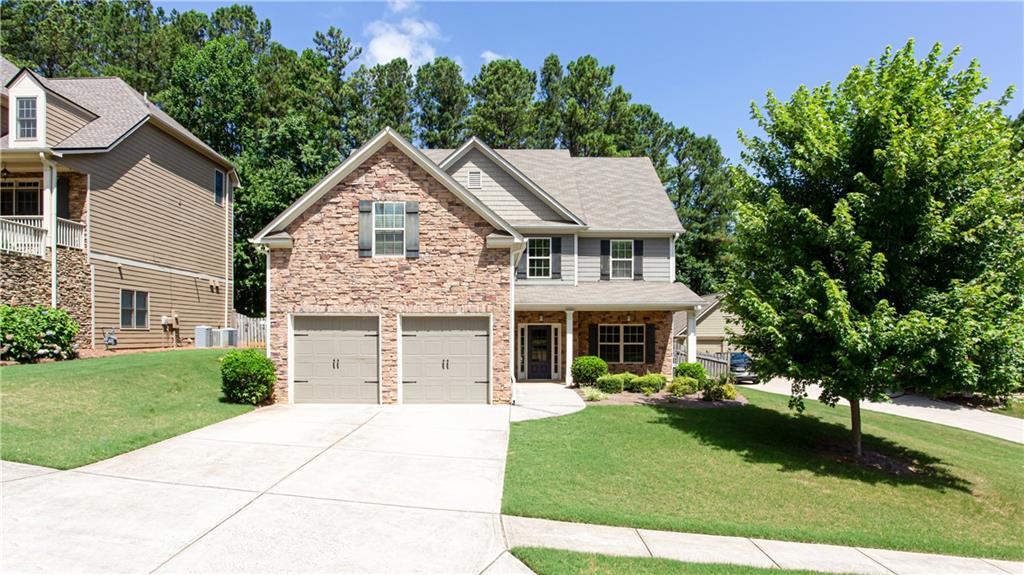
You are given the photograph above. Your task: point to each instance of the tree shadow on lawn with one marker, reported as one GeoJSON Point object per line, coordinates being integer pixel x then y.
{"type": "Point", "coordinates": [807, 443]}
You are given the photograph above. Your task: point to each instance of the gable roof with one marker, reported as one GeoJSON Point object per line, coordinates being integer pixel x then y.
{"type": "Point", "coordinates": [356, 159]}
{"type": "Point", "coordinates": [117, 108]}
{"type": "Point", "coordinates": [475, 143]}
{"type": "Point", "coordinates": [679, 320]}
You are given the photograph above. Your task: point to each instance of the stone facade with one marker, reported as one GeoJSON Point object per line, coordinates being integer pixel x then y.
{"type": "Point", "coordinates": [662, 320]}
{"type": "Point", "coordinates": [455, 273]}
{"type": "Point", "coordinates": [25, 280]}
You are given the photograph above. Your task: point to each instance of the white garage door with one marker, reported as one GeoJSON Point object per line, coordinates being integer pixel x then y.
{"type": "Point", "coordinates": [445, 359]}
{"type": "Point", "coordinates": [335, 360]}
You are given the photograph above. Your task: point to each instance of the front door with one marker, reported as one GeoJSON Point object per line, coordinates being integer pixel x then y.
{"type": "Point", "coordinates": [539, 350]}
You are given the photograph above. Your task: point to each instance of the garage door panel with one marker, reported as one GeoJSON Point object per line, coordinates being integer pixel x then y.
{"type": "Point", "coordinates": [445, 359]}
{"type": "Point", "coordinates": [335, 359]}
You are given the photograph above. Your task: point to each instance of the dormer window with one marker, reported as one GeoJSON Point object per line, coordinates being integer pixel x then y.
{"type": "Point", "coordinates": [26, 118]}
{"type": "Point", "coordinates": [473, 178]}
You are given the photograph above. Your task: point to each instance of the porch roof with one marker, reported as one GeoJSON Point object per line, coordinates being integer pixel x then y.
{"type": "Point", "coordinates": [607, 295]}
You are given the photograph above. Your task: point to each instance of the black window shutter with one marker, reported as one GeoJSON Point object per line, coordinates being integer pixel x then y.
{"type": "Point", "coordinates": [606, 256]}
{"type": "Point", "coordinates": [412, 229]}
{"type": "Point", "coordinates": [649, 343]}
{"type": "Point", "coordinates": [365, 228]}
{"type": "Point", "coordinates": [556, 258]}
{"type": "Point", "coordinates": [63, 197]}
{"type": "Point", "coordinates": [638, 259]}
{"type": "Point", "coordinates": [593, 339]}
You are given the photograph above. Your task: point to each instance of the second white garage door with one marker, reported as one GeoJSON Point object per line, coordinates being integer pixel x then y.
{"type": "Point", "coordinates": [445, 359]}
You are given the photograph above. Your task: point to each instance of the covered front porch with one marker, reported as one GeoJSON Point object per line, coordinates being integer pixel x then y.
{"type": "Point", "coordinates": [42, 204]}
{"type": "Point", "coordinates": [630, 327]}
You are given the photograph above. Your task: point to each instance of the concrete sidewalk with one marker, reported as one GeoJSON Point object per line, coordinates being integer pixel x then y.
{"type": "Point", "coordinates": [695, 548]}
{"type": "Point", "coordinates": [540, 400]}
{"type": "Point", "coordinates": [925, 409]}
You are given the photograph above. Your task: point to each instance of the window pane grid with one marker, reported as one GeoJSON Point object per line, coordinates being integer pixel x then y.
{"type": "Point", "coordinates": [621, 343]}
{"type": "Point", "coordinates": [134, 309]}
{"type": "Point", "coordinates": [622, 258]}
{"type": "Point", "coordinates": [26, 117]}
{"type": "Point", "coordinates": [389, 228]}
{"type": "Point", "coordinates": [538, 258]}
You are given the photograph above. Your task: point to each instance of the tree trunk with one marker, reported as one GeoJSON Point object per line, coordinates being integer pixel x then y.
{"type": "Point", "coordinates": [855, 421]}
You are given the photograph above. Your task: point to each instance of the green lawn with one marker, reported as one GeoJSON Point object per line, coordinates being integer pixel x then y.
{"type": "Point", "coordinates": [557, 562]}
{"type": "Point", "coordinates": [67, 414]}
{"type": "Point", "coordinates": [1013, 408]}
{"type": "Point", "coordinates": [760, 471]}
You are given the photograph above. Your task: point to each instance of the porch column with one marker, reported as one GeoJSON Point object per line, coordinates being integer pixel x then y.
{"type": "Point", "coordinates": [568, 347]}
{"type": "Point", "coordinates": [691, 335]}
{"type": "Point", "coordinates": [50, 221]}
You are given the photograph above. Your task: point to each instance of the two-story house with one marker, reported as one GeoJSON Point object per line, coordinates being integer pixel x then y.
{"type": "Point", "coordinates": [111, 210]}
{"type": "Point", "coordinates": [418, 276]}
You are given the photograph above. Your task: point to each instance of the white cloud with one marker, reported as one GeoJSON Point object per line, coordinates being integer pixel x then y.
{"type": "Point", "coordinates": [490, 56]}
{"type": "Point", "coordinates": [411, 39]}
{"type": "Point", "coordinates": [399, 6]}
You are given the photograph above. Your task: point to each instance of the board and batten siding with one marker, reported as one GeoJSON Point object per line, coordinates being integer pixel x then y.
{"type": "Point", "coordinates": [657, 258]}
{"type": "Point", "coordinates": [568, 262]}
{"type": "Point", "coordinates": [192, 299]}
{"type": "Point", "coordinates": [62, 120]}
{"type": "Point", "coordinates": [151, 200]}
{"type": "Point", "coordinates": [500, 191]}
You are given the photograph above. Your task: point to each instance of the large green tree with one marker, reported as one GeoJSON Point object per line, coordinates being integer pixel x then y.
{"type": "Point", "coordinates": [880, 237]}
{"type": "Point", "coordinates": [586, 93]}
{"type": "Point", "coordinates": [547, 110]}
{"type": "Point", "coordinates": [442, 104]}
{"type": "Point", "coordinates": [502, 98]}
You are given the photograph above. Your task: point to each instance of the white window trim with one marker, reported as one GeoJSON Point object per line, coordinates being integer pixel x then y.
{"type": "Point", "coordinates": [549, 258]}
{"type": "Point", "coordinates": [224, 186]}
{"type": "Point", "coordinates": [14, 189]}
{"type": "Point", "coordinates": [373, 236]}
{"type": "Point", "coordinates": [622, 343]}
{"type": "Point", "coordinates": [557, 349]}
{"type": "Point", "coordinates": [612, 259]}
{"type": "Point", "coordinates": [469, 180]}
{"type": "Point", "coordinates": [121, 298]}
{"type": "Point", "coordinates": [18, 119]}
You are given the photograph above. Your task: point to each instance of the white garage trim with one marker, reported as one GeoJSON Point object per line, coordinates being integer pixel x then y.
{"type": "Point", "coordinates": [291, 348]}
{"type": "Point", "coordinates": [490, 348]}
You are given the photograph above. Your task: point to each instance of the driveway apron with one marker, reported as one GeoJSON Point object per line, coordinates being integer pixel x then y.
{"type": "Point", "coordinates": [289, 488]}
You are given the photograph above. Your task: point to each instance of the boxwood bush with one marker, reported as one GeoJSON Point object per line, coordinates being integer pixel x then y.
{"type": "Point", "coordinates": [694, 370]}
{"type": "Point", "coordinates": [650, 383]}
{"type": "Point", "coordinates": [610, 383]}
{"type": "Point", "coordinates": [587, 368]}
{"type": "Point", "coordinates": [628, 380]}
{"type": "Point", "coordinates": [682, 386]}
{"type": "Point", "coordinates": [717, 390]}
{"type": "Point", "coordinates": [31, 333]}
{"type": "Point", "coordinates": [247, 376]}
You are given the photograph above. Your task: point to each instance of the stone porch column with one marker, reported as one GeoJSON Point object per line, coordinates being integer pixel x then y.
{"type": "Point", "coordinates": [691, 335]}
{"type": "Point", "coordinates": [568, 347]}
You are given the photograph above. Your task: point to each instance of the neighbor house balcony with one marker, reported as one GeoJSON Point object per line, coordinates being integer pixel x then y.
{"type": "Point", "coordinates": [28, 218]}
{"type": "Point", "coordinates": [27, 235]}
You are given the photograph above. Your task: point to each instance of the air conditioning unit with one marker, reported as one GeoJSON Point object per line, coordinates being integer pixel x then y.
{"type": "Point", "coordinates": [204, 336]}
{"type": "Point", "coordinates": [228, 337]}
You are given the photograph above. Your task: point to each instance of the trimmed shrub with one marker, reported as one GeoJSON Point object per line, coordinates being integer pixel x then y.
{"type": "Point", "coordinates": [694, 370]}
{"type": "Point", "coordinates": [610, 384]}
{"type": "Point", "coordinates": [728, 391]}
{"type": "Point", "coordinates": [32, 333]}
{"type": "Point", "coordinates": [587, 368]}
{"type": "Point", "coordinates": [650, 383]}
{"type": "Point", "coordinates": [682, 386]}
{"type": "Point", "coordinates": [627, 381]}
{"type": "Point", "coordinates": [718, 390]}
{"type": "Point", "coordinates": [593, 394]}
{"type": "Point", "coordinates": [247, 376]}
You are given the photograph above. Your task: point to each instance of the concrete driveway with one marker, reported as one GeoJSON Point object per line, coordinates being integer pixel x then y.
{"type": "Point", "coordinates": [283, 489]}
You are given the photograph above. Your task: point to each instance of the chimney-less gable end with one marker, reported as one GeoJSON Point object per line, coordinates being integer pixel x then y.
{"type": "Point", "coordinates": [411, 229]}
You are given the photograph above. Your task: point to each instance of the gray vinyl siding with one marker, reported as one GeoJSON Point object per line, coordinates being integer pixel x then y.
{"type": "Point", "coordinates": [151, 200]}
{"type": "Point", "coordinates": [657, 258]}
{"type": "Point", "coordinates": [62, 120]}
{"type": "Point", "coordinates": [568, 262]}
{"type": "Point", "coordinates": [192, 299]}
{"type": "Point", "coordinates": [500, 191]}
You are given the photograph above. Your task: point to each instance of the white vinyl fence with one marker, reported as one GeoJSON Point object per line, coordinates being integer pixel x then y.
{"type": "Point", "coordinates": [252, 331]}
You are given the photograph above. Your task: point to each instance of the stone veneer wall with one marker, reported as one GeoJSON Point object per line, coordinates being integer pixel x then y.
{"type": "Point", "coordinates": [25, 280]}
{"type": "Point", "coordinates": [455, 272]}
{"type": "Point", "coordinates": [662, 320]}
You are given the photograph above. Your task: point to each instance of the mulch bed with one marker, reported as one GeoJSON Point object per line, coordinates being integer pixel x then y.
{"type": "Point", "coordinates": [663, 399]}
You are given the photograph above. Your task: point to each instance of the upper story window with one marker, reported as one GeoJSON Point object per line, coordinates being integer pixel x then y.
{"type": "Point", "coordinates": [389, 228]}
{"type": "Point", "coordinates": [20, 198]}
{"type": "Point", "coordinates": [26, 118]}
{"type": "Point", "coordinates": [538, 258]}
{"type": "Point", "coordinates": [219, 183]}
{"type": "Point", "coordinates": [621, 343]}
{"type": "Point", "coordinates": [622, 259]}
{"type": "Point", "coordinates": [473, 181]}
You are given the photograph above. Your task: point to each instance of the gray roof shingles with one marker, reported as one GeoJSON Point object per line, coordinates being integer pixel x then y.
{"type": "Point", "coordinates": [599, 295]}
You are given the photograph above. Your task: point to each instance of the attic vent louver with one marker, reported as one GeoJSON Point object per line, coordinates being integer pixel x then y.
{"type": "Point", "coordinates": [474, 180]}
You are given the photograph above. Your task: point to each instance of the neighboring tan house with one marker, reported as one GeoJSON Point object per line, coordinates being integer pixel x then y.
{"type": "Point", "coordinates": [713, 327]}
{"type": "Point", "coordinates": [111, 210]}
{"type": "Point", "coordinates": [419, 276]}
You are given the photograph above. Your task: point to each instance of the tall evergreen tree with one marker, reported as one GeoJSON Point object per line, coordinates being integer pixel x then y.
{"type": "Point", "coordinates": [586, 92]}
{"type": "Point", "coordinates": [502, 97]}
{"type": "Point", "coordinates": [442, 104]}
{"type": "Point", "coordinates": [548, 109]}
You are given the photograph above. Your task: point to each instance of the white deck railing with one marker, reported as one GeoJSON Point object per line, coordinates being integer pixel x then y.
{"type": "Point", "coordinates": [25, 234]}
{"type": "Point", "coordinates": [22, 238]}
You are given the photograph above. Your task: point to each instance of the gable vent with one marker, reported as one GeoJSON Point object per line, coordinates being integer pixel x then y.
{"type": "Point", "coordinates": [474, 180]}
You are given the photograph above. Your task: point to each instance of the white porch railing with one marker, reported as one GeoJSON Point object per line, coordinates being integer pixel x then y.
{"type": "Point", "coordinates": [22, 238]}
{"type": "Point", "coordinates": [21, 234]}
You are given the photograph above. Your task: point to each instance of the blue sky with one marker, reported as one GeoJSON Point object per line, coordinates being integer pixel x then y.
{"type": "Point", "coordinates": [698, 64]}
